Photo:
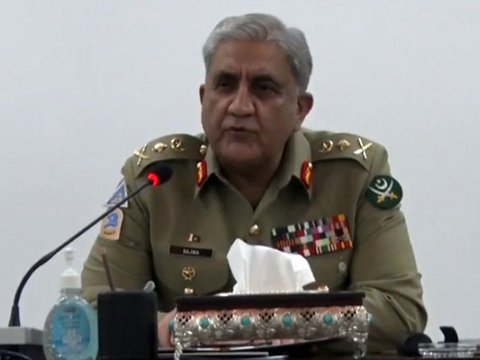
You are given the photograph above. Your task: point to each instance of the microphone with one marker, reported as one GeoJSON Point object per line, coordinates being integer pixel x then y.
{"type": "Point", "coordinates": [157, 174]}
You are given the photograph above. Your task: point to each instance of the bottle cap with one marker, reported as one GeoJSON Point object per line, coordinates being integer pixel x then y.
{"type": "Point", "coordinates": [70, 278]}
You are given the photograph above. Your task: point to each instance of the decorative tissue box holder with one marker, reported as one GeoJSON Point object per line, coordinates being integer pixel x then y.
{"type": "Point", "coordinates": [228, 321]}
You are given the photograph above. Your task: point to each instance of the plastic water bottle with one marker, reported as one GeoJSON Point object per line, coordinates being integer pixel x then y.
{"type": "Point", "coordinates": [70, 331]}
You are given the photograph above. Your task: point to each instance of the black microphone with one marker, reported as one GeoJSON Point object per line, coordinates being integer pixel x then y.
{"type": "Point", "coordinates": [157, 174]}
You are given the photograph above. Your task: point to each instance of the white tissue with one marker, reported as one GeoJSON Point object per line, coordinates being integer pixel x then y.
{"type": "Point", "coordinates": [261, 269]}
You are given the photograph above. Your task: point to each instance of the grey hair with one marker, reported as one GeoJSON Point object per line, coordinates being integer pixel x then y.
{"type": "Point", "coordinates": [264, 28]}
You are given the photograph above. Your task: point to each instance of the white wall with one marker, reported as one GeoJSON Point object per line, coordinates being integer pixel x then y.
{"type": "Point", "coordinates": [84, 83]}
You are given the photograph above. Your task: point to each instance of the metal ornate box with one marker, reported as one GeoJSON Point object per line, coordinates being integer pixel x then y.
{"type": "Point", "coordinates": [230, 321]}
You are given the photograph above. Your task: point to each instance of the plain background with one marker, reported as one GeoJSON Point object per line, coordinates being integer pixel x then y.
{"type": "Point", "coordinates": [85, 83]}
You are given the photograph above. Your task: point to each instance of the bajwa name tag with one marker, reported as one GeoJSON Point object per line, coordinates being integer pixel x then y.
{"type": "Point", "coordinates": [190, 251]}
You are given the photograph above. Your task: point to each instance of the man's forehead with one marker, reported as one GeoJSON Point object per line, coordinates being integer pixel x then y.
{"type": "Point", "coordinates": [252, 58]}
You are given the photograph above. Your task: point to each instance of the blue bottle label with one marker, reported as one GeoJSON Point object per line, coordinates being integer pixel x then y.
{"type": "Point", "coordinates": [70, 330]}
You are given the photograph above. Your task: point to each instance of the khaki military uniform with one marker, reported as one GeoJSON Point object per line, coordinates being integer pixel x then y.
{"type": "Point", "coordinates": [179, 234]}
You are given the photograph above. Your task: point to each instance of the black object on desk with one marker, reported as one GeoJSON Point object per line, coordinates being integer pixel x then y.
{"type": "Point", "coordinates": [409, 346]}
{"type": "Point", "coordinates": [449, 334]}
{"type": "Point", "coordinates": [127, 325]}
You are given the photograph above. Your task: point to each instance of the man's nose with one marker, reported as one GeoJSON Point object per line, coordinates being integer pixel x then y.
{"type": "Point", "coordinates": [242, 103]}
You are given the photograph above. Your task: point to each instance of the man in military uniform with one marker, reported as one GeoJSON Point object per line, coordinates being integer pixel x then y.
{"type": "Point", "coordinates": [257, 175]}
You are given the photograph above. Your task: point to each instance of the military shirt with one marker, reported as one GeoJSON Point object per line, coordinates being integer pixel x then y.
{"type": "Point", "coordinates": [178, 234]}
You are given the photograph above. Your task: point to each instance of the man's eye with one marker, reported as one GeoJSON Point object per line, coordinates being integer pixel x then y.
{"type": "Point", "coordinates": [224, 84]}
{"type": "Point", "coordinates": [266, 87]}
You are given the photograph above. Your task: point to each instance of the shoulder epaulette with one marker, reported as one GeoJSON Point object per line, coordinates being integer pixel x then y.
{"type": "Point", "coordinates": [170, 147]}
{"type": "Point", "coordinates": [329, 146]}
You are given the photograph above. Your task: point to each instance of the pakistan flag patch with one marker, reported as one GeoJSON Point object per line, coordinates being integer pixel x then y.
{"type": "Point", "coordinates": [384, 192]}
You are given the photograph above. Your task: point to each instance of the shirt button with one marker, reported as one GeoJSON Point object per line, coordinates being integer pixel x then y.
{"type": "Point", "coordinates": [188, 291]}
{"type": "Point", "coordinates": [323, 289]}
{"type": "Point", "coordinates": [254, 230]}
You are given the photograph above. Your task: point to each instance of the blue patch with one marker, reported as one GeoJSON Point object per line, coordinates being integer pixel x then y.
{"type": "Point", "coordinates": [119, 195]}
{"type": "Point", "coordinates": [111, 225]}
{"type": "Point", "coordinates": [112, 220]}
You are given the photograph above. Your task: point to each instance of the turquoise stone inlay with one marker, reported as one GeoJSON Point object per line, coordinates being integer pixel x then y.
{"type": "Point", "coordinates": [245, 321]}
{"type": "Point", "coordinates": [328, 319]}
{"type": "Point", "coordinates": [287, 320]}
{"type": "Point", "coordinates": [204, 323]}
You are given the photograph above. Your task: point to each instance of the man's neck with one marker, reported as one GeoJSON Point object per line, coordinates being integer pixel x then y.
{"type": "Point", "coordinates": [254, 182]}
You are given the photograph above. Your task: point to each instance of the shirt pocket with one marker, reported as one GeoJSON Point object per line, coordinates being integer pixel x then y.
{"type": "Point", "coordinates": [331, 269]}
{"type": "Point", "coordinates": [199, 275]}
{"type": "Point", "coordinates": [326, 244]}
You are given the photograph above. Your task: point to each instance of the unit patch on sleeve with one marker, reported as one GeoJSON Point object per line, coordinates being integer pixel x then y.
{"type": "Point", "coordinates": [316, 237]}
{"type": "Point", "coordinates": [384, 192]}
{"type": "Point", "coordinates": [111, 225]}
{"type": "Point", "coordinates": [119, 194]}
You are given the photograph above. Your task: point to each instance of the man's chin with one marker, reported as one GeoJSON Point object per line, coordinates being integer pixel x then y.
{"type": "Point", "coordinates": [240, 160]}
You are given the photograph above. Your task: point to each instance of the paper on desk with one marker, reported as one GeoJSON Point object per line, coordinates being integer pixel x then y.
{"type": "Point", "coordinates": [261, 269]}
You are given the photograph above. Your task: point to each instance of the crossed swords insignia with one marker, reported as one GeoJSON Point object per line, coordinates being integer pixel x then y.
{"type": "Point", "coordinates": [383, 189]}
{"type": "Point", "coordinates": [363, 149]}
{"type": "Point", "coordinates": [140, 154]}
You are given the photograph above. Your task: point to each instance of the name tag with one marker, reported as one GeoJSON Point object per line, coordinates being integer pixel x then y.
{"type": "Point", "coordinates": [190, 251]}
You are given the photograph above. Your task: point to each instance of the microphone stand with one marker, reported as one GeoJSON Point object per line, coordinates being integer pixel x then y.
{"type": "Point", "coordinates": [28, 341]}
{"type": "Point", "coordinates": [15, 312]}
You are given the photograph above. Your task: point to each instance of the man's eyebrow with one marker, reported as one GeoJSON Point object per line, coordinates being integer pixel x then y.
{"type": "Point", "coordinates": [264, 77]}
{"type": "Point", "coordinates": [224, 74]}
{"type": "Point", "coordinates": [258, 77]}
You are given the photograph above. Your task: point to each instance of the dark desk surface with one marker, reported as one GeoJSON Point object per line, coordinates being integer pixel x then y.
{"type": "Point", "coordinates": [383, 356]}
{"type": "Point", "coordinates": [168, 354]}
{"type": "Point", "coordinates": [386, 356]}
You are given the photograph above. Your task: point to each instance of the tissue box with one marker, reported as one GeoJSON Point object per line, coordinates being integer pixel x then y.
{"type": "Point", "coordinates": [258, 319]}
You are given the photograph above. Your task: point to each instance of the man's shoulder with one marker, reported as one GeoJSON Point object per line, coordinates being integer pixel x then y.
{"type": "Point", "coordinates": [329, 145]}
{"type": "Point", "coordinates": [171, 148]}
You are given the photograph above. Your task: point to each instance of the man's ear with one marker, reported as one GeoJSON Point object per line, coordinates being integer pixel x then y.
{"type": "Point", "coordinates": [304, 105]}
{"type": "Point", "coordinates": [201, 92]}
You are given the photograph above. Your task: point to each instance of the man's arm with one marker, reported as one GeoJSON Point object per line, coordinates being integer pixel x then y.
{"type": "Point", "coordinates": [383, 266]}
{"type": "Point", "coordinates": [125, 239]}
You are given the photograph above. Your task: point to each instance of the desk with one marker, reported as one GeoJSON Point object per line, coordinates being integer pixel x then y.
{"type": "Point", "coordinates": [36, 354]}
{"type": "Point", "coordinates": [383, 356]}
